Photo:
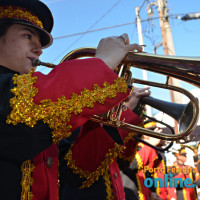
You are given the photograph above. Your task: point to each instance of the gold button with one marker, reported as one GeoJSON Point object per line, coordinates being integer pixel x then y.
{"type": "Point", "coordinates": [49, 162]}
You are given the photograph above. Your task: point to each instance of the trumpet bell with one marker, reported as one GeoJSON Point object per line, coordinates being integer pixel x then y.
{"type": "Point", "coordinates": [182, 113]}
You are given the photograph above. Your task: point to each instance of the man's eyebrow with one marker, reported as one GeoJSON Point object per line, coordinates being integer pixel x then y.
{"type": "Point", "coordinates": [30, 30]}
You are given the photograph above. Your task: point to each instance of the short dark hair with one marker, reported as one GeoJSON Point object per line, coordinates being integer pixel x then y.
{"type": "Point", "coordinates": [3, 28]}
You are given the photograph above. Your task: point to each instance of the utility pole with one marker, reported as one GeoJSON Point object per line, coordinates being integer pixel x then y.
{"type": "Point", "coordinates": [168, 46]}
{"type": "Point", "coordinates": [167, 43]}
{"type": "Point", "coordinates": [140, 39]}
{"type": "Point", "coordinates": [139, 27]}
{"type": "Point", "coordinates": [165, 28]}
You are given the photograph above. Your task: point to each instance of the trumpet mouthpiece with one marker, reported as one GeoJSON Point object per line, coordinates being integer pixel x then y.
{"type": "Point", "coordinates": [36, 62]}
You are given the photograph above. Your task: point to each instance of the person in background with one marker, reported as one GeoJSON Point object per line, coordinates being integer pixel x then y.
{"type": "Point", "coordinates": [160, 191]}
{"type": "Point", "coordinates": [38, 111]}
{"type": "Point", "coordinates": [133, 177]}
{"type": "Point", "coordinates": [183, 171]}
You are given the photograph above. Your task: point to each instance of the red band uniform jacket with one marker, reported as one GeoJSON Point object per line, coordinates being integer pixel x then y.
{"type": "Point", "coordinates": [183, 193]}
{"type": "Point", "coordinates": [37, 110]}
{"type": "Point", "coordinates": [134, 176]}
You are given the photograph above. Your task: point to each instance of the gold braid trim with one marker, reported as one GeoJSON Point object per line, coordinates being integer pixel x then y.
{"type": "Point", "coordinates": [129, 136]}
{"type": "Point", "coordinates": [132, 134]}
{"type": "Point", "coordinates": [140, 145]}
{"type": "Point", "coordinates": [140, 193]}
{"type": "Point", "coordinates": [56, 114]}
{"type": "Point", "coordinates": [27, 181]}
{"type": "Point", "coordinates": [163, 162]}
{"type": "Point", "coordinates": [158, 191]}
{"type": "Point", "coordinates": [15, 12]}
{"type": "Point", "coordinates": [184, 193]}
{"type": "Point", "coordinates": [126, 139]}
{"type": "Point", "coordinates": [91, 177]}
{"type": "Point", "coordinates": [156, 158]}
{"type": "Point", "coordinates": [108, 184]}
{"type": "Point", "coordinates": [139, 161]}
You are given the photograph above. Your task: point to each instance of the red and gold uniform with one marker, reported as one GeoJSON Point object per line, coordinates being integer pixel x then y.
{"type": "Point", "coordinates": [42, 158]}
{"type": "Point", "coordinates": [184, 193]}
{"type": "Point", "coordinates": [160, 173]}
{"type": "Point", "coordinates": [38, 110]}
{"type": "Point", "coordinates": [145, 156]}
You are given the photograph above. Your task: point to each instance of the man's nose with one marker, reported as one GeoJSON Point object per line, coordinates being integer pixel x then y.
{"type": "Point", "coordinates": [37, 51]}
{"type": "Point", "coordinates": [36, 48]}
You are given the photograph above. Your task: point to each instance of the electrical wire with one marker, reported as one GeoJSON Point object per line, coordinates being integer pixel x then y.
{"type": "Point", "coordinates": [109, 27]}
{"type": "Point", "coordinates": [88, 30]}
{"type": "Point", "coordinates": [101, 29]}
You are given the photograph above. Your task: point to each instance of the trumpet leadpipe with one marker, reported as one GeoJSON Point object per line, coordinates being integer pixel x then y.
{"type": "Point", "coordinates": [36, 62]}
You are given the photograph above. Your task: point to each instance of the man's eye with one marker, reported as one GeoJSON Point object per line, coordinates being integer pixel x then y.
{"type": "Point", "coordinates": [28, 36]}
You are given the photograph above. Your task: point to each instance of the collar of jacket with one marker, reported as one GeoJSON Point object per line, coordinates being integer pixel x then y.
{"type": "Point", "coordinates": [5, 70]}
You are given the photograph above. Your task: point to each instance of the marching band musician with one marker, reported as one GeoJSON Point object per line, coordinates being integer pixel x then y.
{"type": "Point", "coordinates": [134, 176]}
{"type": "Point", "coordinates": [37, 111]}
{"type": "Point", "coordinates": [161, 161]}
{"type": "Point", "coordinates": [183, 172]}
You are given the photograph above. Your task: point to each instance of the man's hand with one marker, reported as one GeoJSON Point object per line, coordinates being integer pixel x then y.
{"type": "Point", "coordinates": [152, 140]}
{"type": "Point", "coordinates": [112, 50]}
{"type": "Point", "coordinates": [135, 96]}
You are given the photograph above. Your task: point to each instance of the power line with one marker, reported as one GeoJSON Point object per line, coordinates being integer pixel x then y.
{"type": "Point", "coordinates": [101, 29]}
{"type": "Point", "coordinates": [83, 33]}
{"type": "Point", "coordinates": [109, 27]}
{"type": "Point", "coordinates": [95, 30]}
{"type": "Point", "coordinates": [142, 5]}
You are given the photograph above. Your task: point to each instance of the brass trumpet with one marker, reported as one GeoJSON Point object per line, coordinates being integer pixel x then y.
{"type": "Point", "coordinates": [184, 68]}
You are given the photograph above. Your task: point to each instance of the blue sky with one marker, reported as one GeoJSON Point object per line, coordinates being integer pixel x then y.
{"type": "Point", "coordinates": [72, 17]}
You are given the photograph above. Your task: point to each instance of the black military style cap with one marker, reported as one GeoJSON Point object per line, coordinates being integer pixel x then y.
{"type": "Point", "coordinates": [32, 13]}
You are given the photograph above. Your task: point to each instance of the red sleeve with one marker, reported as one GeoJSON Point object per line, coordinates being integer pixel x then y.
{"type": "Point", "coordinates": [73, 77]}
{"type": "Point", "coordinates": [68, 96]}
{"type": "Point", "coordinates": [131, 118]}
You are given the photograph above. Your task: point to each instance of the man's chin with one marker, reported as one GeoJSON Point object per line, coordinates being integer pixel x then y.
{"type": "Point", "coordinates": [27, 70]}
